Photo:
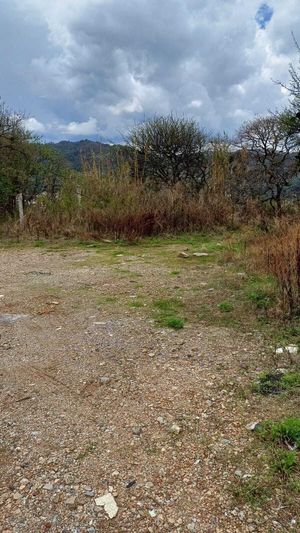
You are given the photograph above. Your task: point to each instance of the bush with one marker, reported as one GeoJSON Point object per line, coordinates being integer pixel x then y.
{"type": "Point", "coordinates": [279, 254]}
{"type": "Point", "coordinates": [119, 207]}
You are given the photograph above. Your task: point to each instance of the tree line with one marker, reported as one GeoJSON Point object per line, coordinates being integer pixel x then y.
{"type": "Point", "coordinates": [259, 162]}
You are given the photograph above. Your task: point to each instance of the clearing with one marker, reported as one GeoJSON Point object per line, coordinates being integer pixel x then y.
{"type": "Point", "coordinates": [128, 369]}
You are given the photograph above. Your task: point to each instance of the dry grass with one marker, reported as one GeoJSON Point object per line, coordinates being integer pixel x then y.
{"type": "Point", "coordinates": [279, 255]}
{"type": "Point", "coordinates": [119, 206]}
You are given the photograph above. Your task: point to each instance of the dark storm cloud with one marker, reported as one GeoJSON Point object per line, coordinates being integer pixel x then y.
{"type": "Point", "coordinates": [93, 67]}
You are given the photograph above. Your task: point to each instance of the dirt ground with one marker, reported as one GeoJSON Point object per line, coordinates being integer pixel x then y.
{"type": "Point", "coordinates": [96, 397]}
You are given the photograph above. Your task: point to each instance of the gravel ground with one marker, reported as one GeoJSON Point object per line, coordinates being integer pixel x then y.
{"type": "Point", "coordinates": [98, 398]}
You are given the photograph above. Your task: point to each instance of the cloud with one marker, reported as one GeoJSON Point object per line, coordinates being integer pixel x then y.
{"type": "Point", "coordinates": [96, 67]}
{"type": "Point", "coordinates": [90, 127]}
{"type": "Point", "coordinates": [32, 124]}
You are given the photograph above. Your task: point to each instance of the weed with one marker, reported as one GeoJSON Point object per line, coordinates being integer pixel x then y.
{"type": "Point", "coordinates": [136, 304]}
{"type": "Point", "coordinates": [167, 313]}
{"type": "Point", "coordinates": [226, 306]}
{"type": "Point", "coordinates": [286, 432]}
{"type": "Point", "coordinates": [261, 299]}
{"type": "Point", "coordinates": [168, 305]}
{"type": "Point", "coordinates": [269, 383]}
{"type": "Point", "coordinates": [173, 322]}
{"type": "Point", "coordinates": [251, 492]}
{"type": "Point", "coordinates": [284, 462]}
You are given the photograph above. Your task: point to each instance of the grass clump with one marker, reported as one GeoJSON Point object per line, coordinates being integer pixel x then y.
{"type": "Point", "coordinates": [226, 306]}
{"type": "Point", "coordinates": [284, 462]}
{"type": "Point", "coordinates": [252, 492]}
{"type": "Point", "coordinates": [174, 322]}
{"type": "Point", "coordinates": [167, 313]}
{"type": "Point", "coordinates": [276, 382]}
{"type": "Point", "coordinates": [286, 432]}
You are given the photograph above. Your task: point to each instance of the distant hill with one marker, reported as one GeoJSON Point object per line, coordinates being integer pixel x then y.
{"type": "Point", "coordinates": [85, 150]}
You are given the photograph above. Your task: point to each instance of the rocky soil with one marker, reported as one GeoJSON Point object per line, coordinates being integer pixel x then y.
{"type": "Point", "coordinates": [97, 399]}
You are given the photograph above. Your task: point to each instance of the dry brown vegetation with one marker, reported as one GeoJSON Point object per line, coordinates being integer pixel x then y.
{"type": "Point", "coordinates": [119, 206]}
{"type": "Point", "coordinates": [279, 255]}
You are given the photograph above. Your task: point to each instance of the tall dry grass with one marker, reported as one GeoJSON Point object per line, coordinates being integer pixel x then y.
{"type": "Point", "coordinates": [119, 206]}
{"type": "Point", "coordinates": [278, 253]}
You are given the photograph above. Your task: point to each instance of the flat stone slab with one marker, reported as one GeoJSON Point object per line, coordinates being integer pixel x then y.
{"type": "Point", "coordinates": [6, 317]}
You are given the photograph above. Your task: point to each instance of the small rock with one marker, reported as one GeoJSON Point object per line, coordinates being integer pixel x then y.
{"type": "Point", "coordinates": [152, 513]}
{"type": "Point", "coordinates": [160, 420]}
{"type": "Point", "coordinates": [71, 502]}
{"type": "Point", "coordinates": [130, 483]}
{"type": "Point", "coordinates": [184, 255]}
{"type": "Point", "coordinates": [253, 426]}
{"type": "Point", "coordinates": [176, 429]}
{"type": "Point", "coordinates": [109, 503]}
{"type": "Point", "coordinates": [104, 380]}
{"type": "Point", "coordinates": [137, 431]}
{"type": "Point", "coordinates": [48, 486]}
{"type": "Point", "coordinates": [200, 254]}
{"type": "Point", "coordinates": [89, 493]}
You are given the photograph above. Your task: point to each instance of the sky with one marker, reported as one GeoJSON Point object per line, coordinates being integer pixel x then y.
{"type": "Point", "coordinates": [94, 68]}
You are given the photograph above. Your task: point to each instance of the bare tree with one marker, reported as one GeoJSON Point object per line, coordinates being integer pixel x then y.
{"type": "Point", "coordinates": [271, 158]}
{"type": "Point", "coordinates": [170, 150]}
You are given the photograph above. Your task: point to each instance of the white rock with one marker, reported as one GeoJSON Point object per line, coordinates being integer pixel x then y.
{"type": "Point", "coordinates": [109, 503]}
{"type": "Point", "coordinates": [152, 513]}
{"type": "Point", "coordinates": [252, 426]}
{"type": "Point", "coordinates": [184, 255]}
{"type": "Point", "coordinates": [292, 349]}
{"type": "Point", "coordinates": [175, 429]}
{"type": "Point", "coordinates": [279, 351]}
{"type": "Point", "coordinates": [200, 254]}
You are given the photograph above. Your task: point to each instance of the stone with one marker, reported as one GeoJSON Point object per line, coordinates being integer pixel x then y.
{"type": "Point", "coordinates": [252, 426]}
{"type": "Point", "coordinates": [104, 380]}
{"type": "Point", "coordinates": [152, 513]}
{"type": "Point", "coordinates": [200, 254]}
{"type": "Point", "coordinates": [137, 431]}
{"type": "Point", "coordinates": [71, 502]}
{"type": "Point", "coordinates": [184, 255]}
{"type": "Point", "coordinates": [6, 317]}
{"type": "Point", "coordinates": [109, 503]}
{"type": "Point", "coordinates": [48, 486]}
{"type": "Point", "coordinates": [176, 429]}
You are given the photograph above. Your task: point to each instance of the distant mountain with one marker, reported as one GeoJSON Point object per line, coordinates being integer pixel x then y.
{"type": "Point", "coordinates": [85, 150]}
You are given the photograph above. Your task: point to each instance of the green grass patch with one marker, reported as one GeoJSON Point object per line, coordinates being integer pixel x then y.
{"type": "Point", "coordinates": [284, 462]}
{"type": "Point", "coordinates": [167, 313]}
{"type": "Point", "coordinates": [226, 306]}
{"type": "Point", "coordinates": [285, 433]}
{"type": "Point", "coordinates": [276, 382]}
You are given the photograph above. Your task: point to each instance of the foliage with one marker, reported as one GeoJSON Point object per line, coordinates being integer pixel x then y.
{"type": "Point", "coordinates": [285, 432]}
{"type": "Point", "coordinates": [277, 382]}
{"type": "Point", "coordinates": [170, 150]}
{"type": "Point", "coordinates": [279, 254]}
{"type": "Point", "coordinates": [270, 164]}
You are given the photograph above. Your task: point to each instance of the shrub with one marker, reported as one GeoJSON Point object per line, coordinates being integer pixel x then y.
{"type": "Point", "coordinates": [279, 254]}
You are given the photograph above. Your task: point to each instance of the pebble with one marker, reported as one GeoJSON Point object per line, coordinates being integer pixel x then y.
{"type": "Point", "coordinates": [104, 380]}
{"type": "Point", "coordinates": [176, 429]}
{"type": "Point", "coordinates": [48, 486]}
{"type": "Point", "coordinates": [71, 502]}
{"type": "Point", "coordinates": [137, 431]}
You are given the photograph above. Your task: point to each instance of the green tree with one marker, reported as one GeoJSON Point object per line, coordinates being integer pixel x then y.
{"type": "Point", "coordinates": [170, 150]}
